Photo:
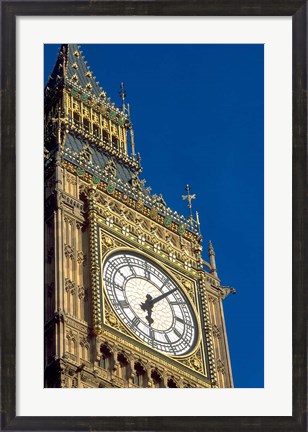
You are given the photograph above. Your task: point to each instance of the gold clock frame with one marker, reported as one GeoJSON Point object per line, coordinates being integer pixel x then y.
{"type": "Point", "coordinates": [172, 277]}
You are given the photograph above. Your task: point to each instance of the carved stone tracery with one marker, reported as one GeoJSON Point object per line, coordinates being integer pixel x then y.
{"type": "Point", "coordinates": [69, 251]}
{"type": "Point", "coordinates": [81, 258]}
{"type": "Point", "coordinates": [70, 286]}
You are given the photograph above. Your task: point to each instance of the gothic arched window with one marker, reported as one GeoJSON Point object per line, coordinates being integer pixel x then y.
{"type": "Point", "coordinates": [76, 118]}
{"type": "Point", "coordinates": [96, 131]}
{"type": "Point", "coordinates": [171, 383]}
{"type": "Point", "coordinates": [106, 357]}
{"type": "Point", "coordinates": [106, 136]}
{"type": "Point", "coordinates": [140, 375]}
{"type": "Point", "coordinates": [123, 369]}
{"type": "Point", "coordinates": [86, 125]}
{"type": "Point", "coordinates": [115, 142]}
{"type": "Point", "coordinates": [157, 379]}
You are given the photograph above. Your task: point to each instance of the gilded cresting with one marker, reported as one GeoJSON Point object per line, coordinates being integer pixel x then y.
{"type": "Point", "coordinates": [96, 204]}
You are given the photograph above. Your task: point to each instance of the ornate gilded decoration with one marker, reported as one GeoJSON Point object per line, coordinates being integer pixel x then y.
{"type": "Point", "coordinates": [153, 213]}
{"type": "Point", "coordinates": [80, 171]}
{"type": "Point", "coordinates": [195, 362]}
{"type": "Point", "coordinates": [113, 321]}
{"type": "Point", "coordinates": [188, 288]}
{"type": "Point", "coordinates": [111, 187]}
{"type": "Point", "coordinates": [135, 181]}
{"type": "Point", "coordinates": [111, 168]}
{"type": "Point", "coordinates": [168, 221]}
{"type": "Point", "coordinates": [140, 203]}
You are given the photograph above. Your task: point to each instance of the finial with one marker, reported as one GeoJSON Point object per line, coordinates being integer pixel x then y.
{"type": "Point", "coordinates": [122, 94]}
{"type": "Point", "coordinates": [212, 259]}
{"type": "Point", "coordinates": [129, 124]}
{"type": "Point", "coordinates": [197, 219]}
{"type": "Point", "coordinates": [198, 227]}
{"type": "Point", "coordinates": [132, 138]}
{"type": "Point", "coordinates": [189, 198]}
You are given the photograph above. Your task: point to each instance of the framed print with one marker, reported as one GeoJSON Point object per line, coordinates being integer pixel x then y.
{"type": "Point", "coordinates": [130, 306]}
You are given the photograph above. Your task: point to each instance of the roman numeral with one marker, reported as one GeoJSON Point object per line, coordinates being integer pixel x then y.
{"type": "Point", "coordinates": [189, 324]}
{"type": "Point", "coordinates": [132, 270]}
{"type": "Point", "coordinates": [167, 338]}
{"type": "Point", "coordinates": [135, 322]}
{"type": "Point", "coordinates": [169, 342]}
{"type": "Point", "coordinates": [113, 265]}
{"type": "Point", "coordinates": [152, 333]}
{"type": "Point", "coordinates": [147, 273]}
{"type": "Point", "coordinates": [164, 282]}
{"type": "Point", "coordinates": [107, 279]}
{"type": "Point", "coordinates": [177, 332]}
{"type": "Point", "coordinates": [123, 275]}
{"type": "Point", "coordinates": [123, 303]}
{"type": "Point", "coordinates": [119, 287]}
{"type": "Point", "coordinates": [129, 265]}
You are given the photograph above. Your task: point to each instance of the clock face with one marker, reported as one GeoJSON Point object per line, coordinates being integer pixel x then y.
{"type": "Point", "coordinates": [150, 303]}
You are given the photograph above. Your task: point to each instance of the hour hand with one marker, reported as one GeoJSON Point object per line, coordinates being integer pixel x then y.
{"type": "Point", "coordinates": [148, 303]}
{"type": "Point", "coordinates": [148, 306]}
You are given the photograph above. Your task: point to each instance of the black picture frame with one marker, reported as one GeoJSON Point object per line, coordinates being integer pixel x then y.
{"type": "Point", "coordinates": [10, 10]}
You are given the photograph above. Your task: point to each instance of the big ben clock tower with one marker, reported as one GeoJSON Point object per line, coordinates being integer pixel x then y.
{"type": "Point", "coordinates": [129, 300]}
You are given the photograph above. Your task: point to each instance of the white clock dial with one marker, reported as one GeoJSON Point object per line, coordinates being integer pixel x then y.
{"type": "Point", "coordinates": [150, 303]}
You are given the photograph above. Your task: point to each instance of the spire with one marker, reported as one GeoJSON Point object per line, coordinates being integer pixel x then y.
{"type": "Point", "coordinates": [84, 128]}
{"type": "Point", "coordinates": [71, 67]}
{"type": "Point", "coordinates": [126, 110]}
{"type": "Point", "coordinates": [122, 94]}
{"type": "Point", "coordinates": [73, 95]}
{"type": "Point", "coordinates": [198, 227]}
{"type": "Point", "coordinates": [212, 259]}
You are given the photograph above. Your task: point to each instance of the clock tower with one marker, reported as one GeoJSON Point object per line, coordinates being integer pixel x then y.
{"type": "Point", "coordinates": [130, 301]}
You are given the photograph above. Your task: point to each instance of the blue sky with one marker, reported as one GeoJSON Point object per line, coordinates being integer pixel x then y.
{"type": "Point", "coordinates": [198, 112]}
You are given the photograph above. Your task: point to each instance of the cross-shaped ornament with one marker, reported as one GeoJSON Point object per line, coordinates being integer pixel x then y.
{"type": "Point", "coordinates": [189, 197]}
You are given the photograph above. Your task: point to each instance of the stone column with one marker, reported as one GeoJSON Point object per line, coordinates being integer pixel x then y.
{"type": "Point", "coordinates": [132, 368]}
{"type": "Point", "coordinates": [165, 379]}
{"type": "Point", "coordinates": [150, 380]}
{"type": "Point", "coordinates": [116, 364]}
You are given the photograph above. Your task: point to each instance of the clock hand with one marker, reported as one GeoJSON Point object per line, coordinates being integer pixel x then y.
{"type": "Point", "coordinates": [150, 302]}
{"type": "Point", "coordinates": [148, 306]}
{"type": "Point", "coordinates": [162, 296]}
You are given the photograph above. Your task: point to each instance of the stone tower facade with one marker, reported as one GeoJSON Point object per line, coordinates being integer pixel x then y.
{"type": "Point", "coordinates": [129, 299]}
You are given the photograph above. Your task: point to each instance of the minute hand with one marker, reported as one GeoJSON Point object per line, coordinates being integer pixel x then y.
{"type": "Point", "coordinates": [157, 299]}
